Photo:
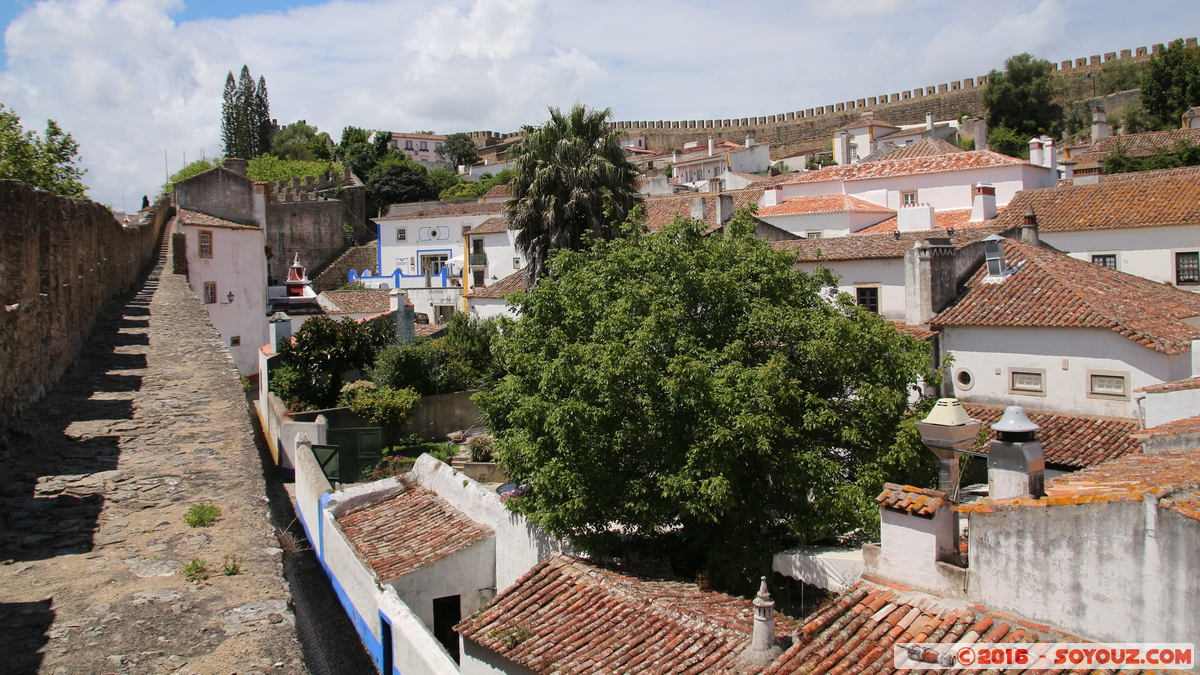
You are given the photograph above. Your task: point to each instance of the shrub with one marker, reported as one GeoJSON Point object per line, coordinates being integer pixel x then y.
{"type": "Point", "coordinates": [202, 514]}
{"type": "Point", "coordinates": [480, 447]}
{"type": "Point", "coordinates": [195, 570]}
{"type": "Point", "coordinates": [231, 566]}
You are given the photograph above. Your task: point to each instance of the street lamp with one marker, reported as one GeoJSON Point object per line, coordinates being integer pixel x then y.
{"type": "Point", "coordinates": [949, 432]}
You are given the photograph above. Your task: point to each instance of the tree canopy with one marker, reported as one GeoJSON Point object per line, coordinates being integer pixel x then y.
{"type": "Point", "coordinates": [246, 126]}
{"type": "Point", "coordinates": [1171, 84]}
{"type": "Point", "coordinates": [571, 183]}
{"type": "Point", "coordinates": [297, 141]}
{"type": "Point", "coordinates": [695, 398]}
{"type": "Point", "coordinates": [459, 150]}
{"type": "Point", "coordinates": [45, 162]}
{"type": "Point", "coordinates": [270, 167]}
{"type": "Point", "coordinates": [1021, 99]}
{"type": "Point", "coordinates": [398, 181]}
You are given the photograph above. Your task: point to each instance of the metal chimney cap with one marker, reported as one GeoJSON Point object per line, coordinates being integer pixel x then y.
{"type": "Point", "coordinates": [1015, 420]}
{"type": "Point", "coordinates": [279, 316]}
{"type": "Point", "coordinates": [948, 412]}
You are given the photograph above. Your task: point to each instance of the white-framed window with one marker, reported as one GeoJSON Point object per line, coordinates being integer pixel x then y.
{"type": "Point", "coordinates": [1109, 384]}
{"type": "Point", "coordinates": [401, 234]}
{"type": "Point", "coordinates": [235, 341]}
{"type": "Point", "coordinates": [205, 244]}
{"type": "Point", "coordinates": [964, 379]}
{"type": "Point", "coordinates": [1187, 268]}
{"type": "Point", "coordinates": [1027, 381]}
{"type": "Point", "coordinates": [908, 198]}
{"type": "Point", "coordinates": [1108, 260]}
{"type": "Point", "coordinates": [424, 146]}
{"type": "Point", "coordinates": [432, 263]}
{"type": "Point", "coordinates": [408, 145]}
{"type": "Point", "coordinates": [867, 296]}
{"type": "Point", "coordinates": [813, 234]}
{"type": "Point", "coordinates": [210, 292]}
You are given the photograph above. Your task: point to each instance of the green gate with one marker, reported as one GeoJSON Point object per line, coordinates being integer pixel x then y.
{"type": "Point", "coordinates": [357, 449]}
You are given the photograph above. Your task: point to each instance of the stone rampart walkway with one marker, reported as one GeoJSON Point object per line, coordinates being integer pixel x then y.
{"type": "Point", "coordinates": [95, 483]}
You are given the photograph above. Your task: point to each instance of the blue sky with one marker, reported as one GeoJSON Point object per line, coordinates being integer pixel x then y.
{"type": "Point", "coordinates": [132, 78]}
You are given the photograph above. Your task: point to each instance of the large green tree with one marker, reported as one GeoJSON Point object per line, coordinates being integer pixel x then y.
{"type": "Point", "coordinates": [459, 150]}
{"type": "Point", "coordinates": [697, 398]}
{"type": "Point", "coordinates": [1021, 99]}
{"type": "Point", "coordinates": [296, 141]}
{"type": "Point", "coordinates": [397, 181]}
{"type": "Point", "coordinates": [571, 183]}
{"type": "Point", "coordinates": [46, 162]}
{"type": "Point", "coordinates": [1172, 83]}
{"type": "Point", "coordinates": [246, 126]}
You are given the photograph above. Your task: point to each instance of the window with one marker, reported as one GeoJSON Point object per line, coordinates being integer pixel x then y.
{"type": "Point", "coordinates": [812, 234]}
{"type": "Point", "coordinates": [965, 379]}
{"type": "Point", "coordinates": [424, 146]}
{"type": "Point", "coordinates": [210, 292]}
{"type": "Point", "coordinates": [1108, 384]}
{"type": "Point", "coordinates": [1108, 260]}
{"type": "Point", "coordinates": [408, 145]}
{"type": "Point", "coordinates": [908, 198]}
{"type": "Point", "coordinates": [867, 297]}
{"type": "Point", "coordinates": [433, 263]}
{"type": "Point", "coordinates": [477, 278]}
{"type": "Point", "coordinates": [235, 341]}
{"type": "Point", "coordinates": [1187, 268]}
{"type": "Point", "coordinates": [516, 263]}
{"type": "Point", "coordinates": [401, 234]}
{"type": "Point", "coordinates": [205, 244]}
{"type": "Point", "coordinates": [1027, 381]}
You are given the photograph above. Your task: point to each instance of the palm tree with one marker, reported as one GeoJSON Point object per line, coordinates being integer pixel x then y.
{"type": "Point", "coordinates": [571, 178]}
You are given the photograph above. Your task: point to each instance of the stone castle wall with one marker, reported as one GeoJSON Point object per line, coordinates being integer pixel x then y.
{"type": "Point", "coordinates": [306, 215]}
{"type": "Point", "coordinates": [60, 260]}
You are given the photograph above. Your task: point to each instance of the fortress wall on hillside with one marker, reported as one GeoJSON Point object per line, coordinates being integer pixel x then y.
{"type": "Point", "coordinates": [60, 260]}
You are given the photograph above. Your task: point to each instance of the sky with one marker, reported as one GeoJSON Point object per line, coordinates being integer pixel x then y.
{"type": "Point", "coordinates": [138, 83]}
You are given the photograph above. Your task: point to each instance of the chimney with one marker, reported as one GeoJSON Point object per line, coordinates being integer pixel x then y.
{"type": "Point", "coordinates": [915, 218]}
{"type": "Point", "coordinates": [674, 156]}
{"type": "Point", "coordinates": [235, 165]}
{"type": "Point", "coordinates": [1035, 152]}
{"type": "Point", "coordinates": [918, 529]}
{"type": "Point", "coordinates": [983, 202]}
{"type": "Point", "coordinates": [843, 147]}
{"type": "Point", "coordinates": [772, 196]}
{"type": "Point", "coordinates": [1016, 465]}
{"type": "Point", "coordinates": [929, 279]}
{"type": "Point", "coordinates": [406, 316]}
{"type": "Point", "coordinates": [981, 142]}
{"type": "Point", "coordinates": [710, 146]}
{"type": "Point", "coordinates": [1100, 128]}
{"type": "Point", "coordinates": [698, 210]}
{"type": "Point", "coordinates": [280, 330]}
{"type": "Point", "coordinates": [929, 121]}
{"type": "Point", "coordinates": [1050, 155]}
{"type": "Point", "coordinates": [763, 647]}
{"type": "Point", "coordinates": [724, 208]}
{"type": "Point", "coordinates": [1029, 228]}
{"type": "Point", "coordinates": [749, 141]}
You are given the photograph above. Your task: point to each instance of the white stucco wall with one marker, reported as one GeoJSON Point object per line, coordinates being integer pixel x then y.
{"type": "Point", "coordinates": [1147, 252]}
{"type": "Point", "coordinates": [424, 235]}
{"type": "Point", "coordinates": [355, 577]}
{"type": "Point", "coordinates": [519, 544]}
{"type": "Point", "coordinates": [911, 547]}
{"type": "Point", "coordinates": [751, 160]}
{"type": "Point", "coordinates": [469, 574]}
{"type": "Point", "coordinates": [310, 485]}
{"type": "Point", "coordinates": [1170, 406]}
{"type": "Point", "coordinates": [479, 660]}
{"type": "Point", "coordinates": [887, 272]}
{"type": "Point", "coordinates": [237, 266]}
{"type": "Point", "coordinates": [1119, 571]}
{"type": "Point", "coordinates": [830, 224]}
{"type": "Point", "coordinates": [486, 308]}
{"type": "Point", "coordinates": [984, 350]}
{"type": "Point", "coordinates": [414, 649]}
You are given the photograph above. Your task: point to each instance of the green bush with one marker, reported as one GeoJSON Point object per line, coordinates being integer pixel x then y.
{"type": "Point", "coordinates": [231, 566]}
{"type": "Point", "coordinates": [480, 447]}
{"type": "Point", "coordinates": [1008, 142]}
{"type": "Point", "coordinates": [202, 514]}
{"type": "Point", "coordinates": [195, 570]}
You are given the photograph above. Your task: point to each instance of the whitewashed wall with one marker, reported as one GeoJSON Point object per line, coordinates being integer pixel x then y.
{"type": "Point", "coordinates": [1147, 252]}
{"type": "Point", "coordinates": [415, 650]}
{"type": "Point", "coordinates": [888, 272]}
{"type": "Point", "coordinates": [470, 574]}
{"type": "Point", "coordinates": [237, 266]}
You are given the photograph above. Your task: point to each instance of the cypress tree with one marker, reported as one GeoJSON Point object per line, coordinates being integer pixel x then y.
{"type": "Point", "coordinates": [229, 117]}
{"type": "Point", "coordinates": [246, 132]}
{"type": "Point", "coordinates": [262, 110]}
{"type": "Point", "coordinates": [246, 127]}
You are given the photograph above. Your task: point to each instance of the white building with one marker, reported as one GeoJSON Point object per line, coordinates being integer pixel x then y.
{"type": "Point", "coordinates": [421, 148]}
{"type": "Point", "coordinates": [228, 272]}
{"type": "Point", "coordinates": [700, 163]}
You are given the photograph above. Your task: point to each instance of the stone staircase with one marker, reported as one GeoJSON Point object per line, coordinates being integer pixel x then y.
{"type": "Point", "coordinates": [354, 258]}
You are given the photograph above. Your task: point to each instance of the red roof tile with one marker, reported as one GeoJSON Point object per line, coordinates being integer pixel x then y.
{"type": "Point", "coordinates": [866, 121]}
{"type": "Point", "coordinates": [886, 167]}
{"type": "Point", "coordinates": [1069, 439]}
{"type": "Point", "coordinates": [408, 531]}
{"type": "Point", "coordinates": [1135, 145]}
{"type": "Point", "coordinates": [914, 500]}
{"type": "Point", "coordinates": [873, 246]}
{"type": "Point", "coordinates": [502, 288]}
{"type": "Point", "coordinates": [828, 203]}
{"type": "Point", "coordinates": [918, 332]}
{"type": "Point", "coordinates": [1188, 425]}
{"type": "Point", "coordinates": [949, 219]}
{"type": "Point", "coordinates": [1158, 202]}
{"type": "Point", "coordinates": [661, 210]}
{"type": "Point", "coordinates": [369, 301]}
{"type": "Point", "coordinates": [491, 226]}
{"type": "Point", "coordinates": [466, 209]}
{"type": "Point", "coordinates": [1128, 478]}
{"type": "Point", "coordinates": [1049, 288]}
{"type": "Point", "coordinates": [198, 219]}
{"type": "Point", "coordinates": [568, 616]}
{"type": "Point", "coordinates": [1167, 387]}
{"type": "Point", "coordinates": [1138, 175]}
{"type": "Point", "coordinates": [498, 191]}
{"type": "Point", "coordinates": [926, 147]}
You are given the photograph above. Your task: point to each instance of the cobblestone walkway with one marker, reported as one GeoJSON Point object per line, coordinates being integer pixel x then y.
{"type": "Point", "coordinates": [94, 484]}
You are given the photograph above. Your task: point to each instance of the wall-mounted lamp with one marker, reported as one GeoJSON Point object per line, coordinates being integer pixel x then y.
{"type": "Point", "coordinates": [229, 298]}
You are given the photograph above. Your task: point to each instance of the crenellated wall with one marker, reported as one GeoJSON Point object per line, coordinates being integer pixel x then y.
{"type": "Point", "coordinates": [60, 260]}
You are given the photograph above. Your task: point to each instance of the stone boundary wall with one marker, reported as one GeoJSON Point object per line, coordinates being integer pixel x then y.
{"type": "Point", "coordinates": [811, 128]}
{"type": "Point", "coordinates": [60, 260]}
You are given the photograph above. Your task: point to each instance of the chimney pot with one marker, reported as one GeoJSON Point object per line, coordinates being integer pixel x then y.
{"type": "Point", "coordinates": [1029, 228]}
{"type": "Point", "coordinates": [1016, 463]}
{"type": "Point", "coordinates": [983, 202]}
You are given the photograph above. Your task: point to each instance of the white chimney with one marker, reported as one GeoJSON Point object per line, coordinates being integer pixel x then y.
{"type": "Point", "coordinates": [1050, 154]}
{"type": "Point", "coordinates": [1035, 152]}
{"type": "Point", "coordinates": [981, 131]}
{"type": "Point", "coordinates": [772, 196]}
{"type": "Point", "coordinates": [918, 529]}
{"type": "Point", "coordinates": [983, 202]}
{"type": "Point", "coordinates": [698, 208]}
{"type": "Point", "coordinates": [763, 647]}
{"type": "Point", "coordinates": [1016, 464]}
{"type": "Point", "coordinates": [280, 330]}
{"type": "Point", "coordinates": [929, 121]}
{"type": "Point", "coordinates": [915, 218]}
{"type": "Point", "coordinates": [843, 147]}
{"type": "Point", "coordinates": [749, 141]}
{"type": "Point", "coordinates": [710, 146]}
{"type": "Point", "coordinates": [1100, 128]}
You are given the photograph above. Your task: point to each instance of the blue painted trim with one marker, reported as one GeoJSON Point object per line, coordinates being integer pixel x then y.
{"type": "Point", "coordinates": [373, 644]}
{"type": "Point", "coordinates": [378, 248]}
{"type": "Point", "coordinates": [321, 503]}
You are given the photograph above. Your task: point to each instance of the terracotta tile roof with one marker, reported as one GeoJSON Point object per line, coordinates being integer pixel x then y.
{"type": "Point", "coordinates": [1136, 145]}
{"type": "Point", "coordinates": [926, 147]}
{"type": "Point", "coordinates": [408, 531]}
{"type": "Point", "coordinates": [701, 153]}
{"type": "Point", "coordinates": [502, 288]}
{"type": "Point", "coordinates": [1128, 478]}
{"type": "Point", "coordinates": [661, 210]}
{"type": "Point", "coordinates": [429, 330]}
{"type": "Point", "coordinates": [1138, 175]}
{"type": "Point", "coordinates": [462, 209]}
{"type": "Point", "coordinates": [828, 203]}
{"type": "Point", "coordinates": [1167, 387]}
{"type": "Point", "coordinates": [498, 191]}
{"type": "Point", "coordinates": [949, 219]}
{"type": "Point", "coordinates": [1160, 202]}
{"type": "Point", "coordinates": [575, 617]}
{"type": "Point", "coordinates": [491, 226]}
{"type": "Point", "coordinates": [1053, 289]}
{"type": "Point", "coordinates": [856, 631]}
{"type": "Point", "coordinates": [370, 301]}
{"type": "Point", "coordinates": [1069, 439]}
{"type": "Point", "coordinates": [918, 332]}
{"type": "Point", "coordinates": [886, 167]}
{"type": "Point", "coordinates": [752, 177]}
{"type": "Point", "coordinates": [914, 500]}
{"type": "Point", "coordinates": [873, 246]}
{"type": "Point", "coordinates": [864, 121]}
{"type": "Point", "coordinates": [1188, 425]}
{"type": "Point", "coordinates": [204, 220]}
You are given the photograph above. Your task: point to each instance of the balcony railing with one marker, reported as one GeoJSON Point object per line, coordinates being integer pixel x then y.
{"type": "Point", "coordinates": [477, 259]}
